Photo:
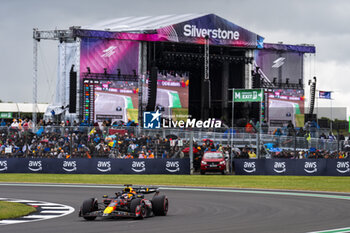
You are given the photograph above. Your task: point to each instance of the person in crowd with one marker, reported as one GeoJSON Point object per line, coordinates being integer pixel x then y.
{"type": "Point", "coordinates": [141, 155]}
{"type": "Point", "coordinates": [249, 128]}
{"type": "Point", "coordinates": [264, 127]}
{"type": "Point", "coordinates": [129, 156]}
{"type": "Point", "coordinates": [251, 154]}
{"type": "Point", "coordinates": [3, 123]}
{"type": "Point", "coordinates": [150, 155]}
{"type": "Point", "coordinates": [244, 154]}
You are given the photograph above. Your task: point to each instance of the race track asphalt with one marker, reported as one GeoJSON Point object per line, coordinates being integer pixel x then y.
{"type": "Point", "coordinates": [191, 211]}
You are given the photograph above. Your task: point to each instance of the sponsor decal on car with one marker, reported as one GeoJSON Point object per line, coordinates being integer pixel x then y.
{"type": "Point", "coordinates": [148, 203]}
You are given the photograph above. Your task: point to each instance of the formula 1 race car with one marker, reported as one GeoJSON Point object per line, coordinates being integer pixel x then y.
{"type": "Point", "coordinates": [131, 202]}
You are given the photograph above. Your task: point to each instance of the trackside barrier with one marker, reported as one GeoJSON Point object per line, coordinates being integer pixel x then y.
{"type": "Point", "coordinates": [95, 166]}
{"type": "Point", "coordinates": [296, 167]}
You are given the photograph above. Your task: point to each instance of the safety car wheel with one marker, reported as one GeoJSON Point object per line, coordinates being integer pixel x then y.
{"type": "Point", "coordinates": [160, 205]}
{"type": "Point", "coordinates": [88, 206]}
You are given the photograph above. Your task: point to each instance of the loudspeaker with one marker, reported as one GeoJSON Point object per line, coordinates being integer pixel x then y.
{"type": "Point", "coordinates": [72, 91]}
{"type": "Point", "coordinates": [310, 117]}
{"type": "Point", "coordinates": [152, 89]}
{"type": "Point", "coordinates": [205, 99]}
{"type": "Point", "coordinates": [256, 80]}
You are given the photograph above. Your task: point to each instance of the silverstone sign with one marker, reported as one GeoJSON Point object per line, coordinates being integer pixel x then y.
{"type": "Point", "coordinates": [193, 31]}
{"type": "Point", "coordinates": [248, 95]}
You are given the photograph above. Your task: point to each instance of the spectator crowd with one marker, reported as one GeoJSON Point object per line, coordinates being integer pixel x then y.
{"type": "Point", "coordinates": [70, 140]}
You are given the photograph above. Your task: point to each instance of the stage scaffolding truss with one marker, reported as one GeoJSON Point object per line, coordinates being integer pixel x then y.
{"type": "Point", "coordinates": [38, 35]}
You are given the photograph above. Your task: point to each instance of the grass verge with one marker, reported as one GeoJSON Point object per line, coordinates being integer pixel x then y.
{"type": "Point", "coordinates": [14, 210]}
{"type": "Point", "coordinates": [312, 183]}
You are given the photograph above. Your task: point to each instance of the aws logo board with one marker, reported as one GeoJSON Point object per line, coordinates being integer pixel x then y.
{"type": "Point", "coordinates": [138, 166]}
{"type": "Point", "coordinates": [69, 166]}
{"type": "Point", "coordinates": [310, 167]}
{"type": "Point", "coordinates": [343, 167]}
{"type": "Point", "coordinates": [35, 165]}
{"type": "Point", "coordinates": [3, 165]}
{"type": "Point", "coordinates": [249, 167]}
{"type": "Point", "coordinates": [280, 167]}
{"type": "Point", "coordinates": [104, 166]}
{"type": "Point", "coordinates": [172, 166]}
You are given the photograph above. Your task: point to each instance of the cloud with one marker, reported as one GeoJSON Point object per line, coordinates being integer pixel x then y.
{"type": "Point", "coordinates": [331, 76]}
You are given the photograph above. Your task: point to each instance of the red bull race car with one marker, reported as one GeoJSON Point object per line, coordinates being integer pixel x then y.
{"type": "Point", "coordinates": [131, 202]}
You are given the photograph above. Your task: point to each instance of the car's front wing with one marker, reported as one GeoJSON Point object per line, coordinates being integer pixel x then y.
{"type": "Point", "coordinates": [116, 213]}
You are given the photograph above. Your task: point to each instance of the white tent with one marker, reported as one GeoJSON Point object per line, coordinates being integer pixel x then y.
{"type": "Point", "coordinates": [22, 107]}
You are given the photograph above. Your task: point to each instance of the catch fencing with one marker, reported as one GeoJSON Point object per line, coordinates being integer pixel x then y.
{"type": "Point", "coordinates": [236, 137]}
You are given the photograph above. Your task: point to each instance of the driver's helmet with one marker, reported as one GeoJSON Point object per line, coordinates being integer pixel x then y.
{"type": "Point", "coordinates": [129, 192]}
{"type": "Point", "coordinates": [125, 196]}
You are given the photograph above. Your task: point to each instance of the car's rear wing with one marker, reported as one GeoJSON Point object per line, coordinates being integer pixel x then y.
{"type": "Point", "coordinates": [147, 190]}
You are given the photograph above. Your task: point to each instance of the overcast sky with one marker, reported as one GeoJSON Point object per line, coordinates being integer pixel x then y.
{"type": "Point", "coordinates": [320, 22]}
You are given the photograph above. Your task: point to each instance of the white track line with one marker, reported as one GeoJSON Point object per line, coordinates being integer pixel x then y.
{"type": "Point", "coordinates": [53, 212]}
{"type": "Point", "coordinates": [44, 204]}
{"type": "Point", "coordinates": [54, 208]}
{"type": "Point", "coordinates": [19, 200]}
{"type": "Point", "coordinates": [339, 230]}
{"type": "Point", "coordinates": [46, 210]}
{"type": "Point", "coordinates": [38, 216]}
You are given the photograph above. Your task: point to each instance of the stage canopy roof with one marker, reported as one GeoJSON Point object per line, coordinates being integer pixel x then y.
{"type": "Point", "coordinates": [188, 28]}
{"type": "Point", "coordinates": [22, 107]}
{"type": "Point", "coordinates": [290, 48]}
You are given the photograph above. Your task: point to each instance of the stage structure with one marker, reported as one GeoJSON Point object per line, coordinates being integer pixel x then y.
{"type": "Point", "coordinates": [180, 64]}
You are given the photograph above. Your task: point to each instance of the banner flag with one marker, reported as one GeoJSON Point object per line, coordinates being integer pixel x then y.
{"type": "Point", "coordinates": [324, 94]}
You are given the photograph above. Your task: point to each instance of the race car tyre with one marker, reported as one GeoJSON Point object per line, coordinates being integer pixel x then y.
{"type": "Point", "coordinates": [223, 172]}
{"type": "Point", "coordinates": [160, 205]}
{"type": "Point", "coordinates": [135, 203]}
{"type": "Point", "coordinates": [88, 206]}
{"type": "Point", "coordinates": [202, 172]}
